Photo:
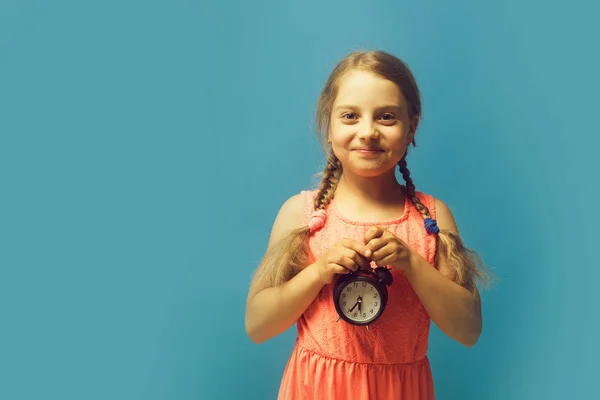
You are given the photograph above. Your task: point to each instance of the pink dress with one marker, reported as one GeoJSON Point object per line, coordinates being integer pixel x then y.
{"type": "Point", "coordinates": [334, 360]}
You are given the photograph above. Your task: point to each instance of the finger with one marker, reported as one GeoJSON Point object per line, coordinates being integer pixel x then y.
{"type": "Point", "coordinates": [373, 232]}
{"type": "Point", "coordinates": [387, 260]}
{"type": "Point", "coordinates": [376, 244]}
{"type": "Point", "coordinates": [338, 269]}
{"type": "Point", "coordinates": [357, 247]}
{"type": "Point", "coordinates": [347, 262]}
{"type": "Point", "coordinates": [380, 255]}
{"type": "Point", "coordinates": [360, 260]}
{"type": "Point", "coordinates": [364, 263]}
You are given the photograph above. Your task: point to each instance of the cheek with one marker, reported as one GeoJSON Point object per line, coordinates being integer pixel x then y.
{"type": "Point", "coordinates": [398, 136]}
{"type": "Point", "coordinates": [341, 135]}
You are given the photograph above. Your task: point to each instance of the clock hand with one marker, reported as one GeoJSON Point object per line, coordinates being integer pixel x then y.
{"type": "Point", "coordinates": [350, 310]}
{"type": "Point", "coordinates": [359, 302]}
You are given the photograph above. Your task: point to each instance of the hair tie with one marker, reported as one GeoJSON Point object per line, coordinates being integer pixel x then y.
{"type": "Point", "coordinates": [317, 220]}
{"type": "Point", "coordinates": [431, 226]}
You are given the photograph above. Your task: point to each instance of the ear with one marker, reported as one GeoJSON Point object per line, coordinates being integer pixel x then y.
{"type": "Point", "coordinates": [413, 130]}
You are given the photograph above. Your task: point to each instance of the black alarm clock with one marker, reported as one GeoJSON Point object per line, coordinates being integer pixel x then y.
{"type": "Point", "coordinates": [360, 297]}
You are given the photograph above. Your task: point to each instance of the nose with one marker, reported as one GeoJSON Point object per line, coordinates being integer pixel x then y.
{"type": "Point", "coordinates": [368, 132]}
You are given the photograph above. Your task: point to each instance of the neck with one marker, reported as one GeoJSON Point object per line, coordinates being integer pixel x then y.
{"type": "Point", "coordinates": [381, 189]}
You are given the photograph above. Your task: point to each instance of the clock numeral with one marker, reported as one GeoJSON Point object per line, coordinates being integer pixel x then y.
{"type": "Point", "coordinates": [371, 311]}
{"type": "Point", "coordinates": [349, 289]}
{"type": "Point", "coordinates": [343, 295]}
{"type": "Point", "coordinates": [355, 284]}
{"type": "Point", "coordinates": [376, 303]}
{"type": "Point", "coordinates": [344, 304]}
{"type": "Point", "coordinates": [355, 315]}
{"type": "Point", "coordinates": [376, 296]}
{"type": "Point", "coordinates": [364, 284]}
{"type": "Point", "coordinates": [364, 315]}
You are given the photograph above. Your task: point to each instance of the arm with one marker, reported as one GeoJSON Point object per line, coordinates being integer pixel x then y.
{"type": "Point", "coordinates": [272, 310]}
{"type": "Point", "coordinates": [454, 309]}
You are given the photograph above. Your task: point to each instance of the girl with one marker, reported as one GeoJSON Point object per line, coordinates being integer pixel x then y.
{"type": "Point", "coordinates": [361, 217]}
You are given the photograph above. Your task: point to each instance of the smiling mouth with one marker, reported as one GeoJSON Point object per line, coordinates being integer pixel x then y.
{"type": "Point", "coordinates": [369, 153]}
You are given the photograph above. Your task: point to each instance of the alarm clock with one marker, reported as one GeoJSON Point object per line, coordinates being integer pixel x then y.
{"type": "Point", "coordinates": [360, 297]}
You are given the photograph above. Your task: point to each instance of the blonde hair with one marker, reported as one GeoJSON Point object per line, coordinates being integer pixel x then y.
{"type": "Point", "coordinates": [287, 257]}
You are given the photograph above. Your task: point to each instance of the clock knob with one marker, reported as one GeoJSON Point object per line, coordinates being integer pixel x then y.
{"type": "Point", "coordinates": [384, 275]}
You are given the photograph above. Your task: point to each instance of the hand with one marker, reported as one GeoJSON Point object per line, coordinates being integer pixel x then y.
{"type": "Point", "coordinates": [387, 249]}
{"type": "Point", "coordinates": [345, 256]}
{"type": "Point", "coordinates": [358, 303]}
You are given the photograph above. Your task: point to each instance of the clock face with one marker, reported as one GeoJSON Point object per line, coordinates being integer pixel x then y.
{"type": "Point", "coordinates": [359, 301]}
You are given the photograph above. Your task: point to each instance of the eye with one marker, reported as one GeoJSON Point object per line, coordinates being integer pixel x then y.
{"type": "Point", "coordinates": [349, 116]}
{"type": "Point", "coordinates": [388, 119]}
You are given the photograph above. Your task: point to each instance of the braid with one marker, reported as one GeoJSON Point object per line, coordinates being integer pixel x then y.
{"type": "Point", "coordinates": [291, 254]}
{"type": "Point", "coordinates": [331, 178]}
{"type": "Point", "coordinates": [411, 190]}
{"type": "Point", "coordinates": [464, 265]}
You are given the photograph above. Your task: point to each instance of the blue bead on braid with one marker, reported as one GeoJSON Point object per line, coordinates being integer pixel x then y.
{"type": "Point", "coordinates": [431, 226]}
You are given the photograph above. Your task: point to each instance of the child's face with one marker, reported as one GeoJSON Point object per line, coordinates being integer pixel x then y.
{"type": "Point", "coordinates": [370, 128]}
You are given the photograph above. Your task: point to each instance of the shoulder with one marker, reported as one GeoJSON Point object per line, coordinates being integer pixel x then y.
{"type": "Point", "coordinates": [445, 219]}
{"type": "Point", "coordinates": [291, 212]}
{"type": "Point", "coordinates": [291, 216]}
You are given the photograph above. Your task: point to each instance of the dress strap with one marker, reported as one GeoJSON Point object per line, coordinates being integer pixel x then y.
{"type": "Point", "coordinates": [308, 197]}
{"type": "Point", "coordinates": [428, 201]}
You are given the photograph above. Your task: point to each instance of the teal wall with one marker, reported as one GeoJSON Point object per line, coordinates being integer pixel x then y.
{"type": "Point", "coordinates": [146, 146]}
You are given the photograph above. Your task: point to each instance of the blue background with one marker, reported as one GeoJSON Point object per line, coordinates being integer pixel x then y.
{"type": "Point", "coordinates": [146, 146]}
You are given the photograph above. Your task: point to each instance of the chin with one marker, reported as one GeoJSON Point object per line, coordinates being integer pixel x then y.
{"type": "Point", "coordinates": [370, 169]}
{"type": "Point", "coordinates": [369, 172]}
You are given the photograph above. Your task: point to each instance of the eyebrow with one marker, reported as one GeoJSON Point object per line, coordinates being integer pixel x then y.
{"type": "Point", "coordinates": [386, 107]}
